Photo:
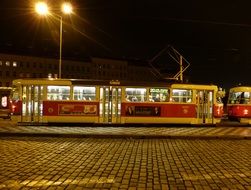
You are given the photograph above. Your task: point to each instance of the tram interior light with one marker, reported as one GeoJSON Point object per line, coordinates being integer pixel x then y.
{"type": "Point", "coordinates": [179, 90]}
{"type": "Point", "coordinates": [141, 90]}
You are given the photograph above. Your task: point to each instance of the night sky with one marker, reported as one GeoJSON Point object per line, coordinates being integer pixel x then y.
{"type": "Point", "coordinates": [214, 36]}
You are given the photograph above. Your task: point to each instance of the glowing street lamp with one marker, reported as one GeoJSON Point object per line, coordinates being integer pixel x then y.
{"type": "Point", "coordinates": [66, 8]}
{"type": "Point", "coordinates": [42, 9]}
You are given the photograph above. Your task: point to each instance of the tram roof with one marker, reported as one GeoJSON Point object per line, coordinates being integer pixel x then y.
{"type": "Point", "coordinates": [42, 81]}
{"type": "Point", "coordinates": [195, 86]}
{"type": "Point", "coordinates": [241, 89]}
{"type": "Point", "coordinates": [48, 81]}
{"type": "Point", "coordinates": [120, 83]}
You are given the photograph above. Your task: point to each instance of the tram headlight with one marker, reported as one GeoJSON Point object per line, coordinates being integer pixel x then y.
{"type": "Point", "coordinates": [245, 111]}
{"type": "Point", "coordinates": [218, 111]}
{"type": "Point", "coordinates": [13, 107]}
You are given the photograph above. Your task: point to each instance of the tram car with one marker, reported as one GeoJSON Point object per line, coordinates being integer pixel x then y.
{"type": "Point", "coordinates": [114, 102]}
{"type": "Point", "coordinates": [5, 102]}
{"type": "Point", "coordinates": [239, 104]}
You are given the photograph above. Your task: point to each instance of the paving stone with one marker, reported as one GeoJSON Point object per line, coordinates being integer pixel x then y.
{"type": "Point", "coordinates": [92, 163]}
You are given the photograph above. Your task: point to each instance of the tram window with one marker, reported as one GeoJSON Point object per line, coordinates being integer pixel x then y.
{"type": "Point", "coordinates": [135, 94]}
{"type": "Point", "coordinates": [158, 95]}
{"type": "Point", "coordinates": [239, 98]}
{"type": "Point", "coordinates": [58, 93]}
{"type": "Point", "coordinates": [182, 95]}
{"type": "Point", "coordinates": [15, 94]}
{"type": "Point", "coordinates": [245, 98]}
{"type": "Point", "coordinates": [84, 93]}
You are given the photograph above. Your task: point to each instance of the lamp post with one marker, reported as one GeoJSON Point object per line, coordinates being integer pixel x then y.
{"type": "Point", "coordinates": [42, 9]}
{"type": "Point", "coordinates": [60, 48]}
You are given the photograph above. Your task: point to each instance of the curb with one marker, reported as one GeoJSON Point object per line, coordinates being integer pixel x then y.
{"type": "Point", "coordinates": [117, 136]}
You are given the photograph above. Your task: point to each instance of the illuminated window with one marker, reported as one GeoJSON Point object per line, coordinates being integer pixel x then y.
{"type": "Point", "coordinates": [84, 93]}
{"type": "Point", "coordinates": [158, 95]}
{"type": "Point", "coordinates": [239, 98]}
{"type": "Point", "coordinates": [1, 63]}
{"type": "Point", "coordinates": [14, 64]}
{"type": "Point", "coordinates": [7, 63]}
{"type": "Point", "coordinates": [4, 102]}
{"type": "Point", "coordinates": [49, 75]}
{"type": "Point", "coordinates": [182, 95]}
{"type": "Point", "coordinates": [58, 93]}
{"type": "Point", "coordinates": [135, 94]}
{"type": "Point", "coordinates": [15, 94]}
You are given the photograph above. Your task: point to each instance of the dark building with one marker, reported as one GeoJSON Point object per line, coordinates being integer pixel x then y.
{"type": "Point", "coordinates": [19, 66]}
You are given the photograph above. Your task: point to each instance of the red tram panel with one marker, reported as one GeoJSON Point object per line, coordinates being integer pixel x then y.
{"type": "Point", "coordinates": [66, 108]}
{"type": "Point", "coordinates": [163, 110]}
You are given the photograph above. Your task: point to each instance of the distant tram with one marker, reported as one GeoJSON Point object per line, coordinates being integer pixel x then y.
{"type": "Point", "coordinates": [114, 102]}
{"type": "Point", "coordinates": [5, 102]}
{"type": "Point", "coordinates": [239, 104]}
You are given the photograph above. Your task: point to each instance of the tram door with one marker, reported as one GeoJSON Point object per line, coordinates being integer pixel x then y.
{"type": "Point", "coordinates": [32, 103]}
{"type": "Point", "coordinates": [204, 99]}
{"type": "Point", "coordinates": [110, 105]}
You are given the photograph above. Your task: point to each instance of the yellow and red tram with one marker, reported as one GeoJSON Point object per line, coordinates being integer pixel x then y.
{"type": "Point", "coordinates": [239, 104]}
{"type": "Point", "coordinates": [114, 102]}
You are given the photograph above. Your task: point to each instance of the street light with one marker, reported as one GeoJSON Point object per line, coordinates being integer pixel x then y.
{"type": "Point", "coordinates": [43, 10]}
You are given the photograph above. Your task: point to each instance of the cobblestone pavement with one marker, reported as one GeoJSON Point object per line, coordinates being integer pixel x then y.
{"type": "Point", "coordinates": [8, 128]}
{"type": "Point", "coordinates": [103, 163]}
